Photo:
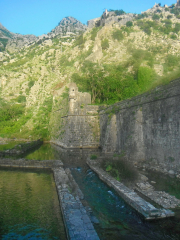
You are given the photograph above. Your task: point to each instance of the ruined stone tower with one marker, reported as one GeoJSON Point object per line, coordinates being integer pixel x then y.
{"type": "Point", "coordinates": [82, 123]}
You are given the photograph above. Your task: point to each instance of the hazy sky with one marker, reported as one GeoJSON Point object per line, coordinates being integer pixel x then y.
{"type": "Point", "coordinates": [41, 16]}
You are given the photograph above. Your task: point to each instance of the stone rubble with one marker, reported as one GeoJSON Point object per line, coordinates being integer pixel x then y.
{"type": "Point", "coordinates": [160, 197]}
{"type": "Point", "coordinates": [132, 198]}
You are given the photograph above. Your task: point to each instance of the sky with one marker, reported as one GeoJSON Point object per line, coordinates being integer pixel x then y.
{"type": "Point", "coordinates": [41, 16]}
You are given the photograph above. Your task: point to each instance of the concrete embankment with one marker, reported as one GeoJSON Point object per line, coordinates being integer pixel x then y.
{"type": "Point", "coordinates": [21, 148]}
{"type": "Point", "coordinates": [139, 204]}
{"type": "Point", "coordinates": [77, 222]}
{"type": "Point", "coordinates": [23, 163]}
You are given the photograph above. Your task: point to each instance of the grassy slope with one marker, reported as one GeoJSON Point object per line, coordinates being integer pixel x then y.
{"type": "Point", "coordinates": [112, 62]}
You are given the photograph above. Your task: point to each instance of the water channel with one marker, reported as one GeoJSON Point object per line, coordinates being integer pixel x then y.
{"type": "Point", "coordinates": [116, 219]}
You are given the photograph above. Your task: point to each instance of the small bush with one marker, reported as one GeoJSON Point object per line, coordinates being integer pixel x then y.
{"type": "Point", "coordinates": [145, 77]}
{"type": "Point", "coordinates": [119, 12]}
{"type": "Point", "coordinates": [119, 169]}
{"type": "Point", "coordinates": [30, 84]}
{"type": "Point", "coordinates": [173, 36]}
{"type": "Point", "coordinates": [169, 16]}
{"type": "Point", "coordinates": [105, 44]}
{"type": "Point", "coordinates": [94, 32]}
{"type": "Point", "coordinates": [79, 41]}
{"type": "Point", "coordinates": [141, 16]}
{"type": "Point", "coordinates": [129, 24]}
{"type": "Point", "coordinates": [177, 28]}
{"type": "Point", "coordinates": [171, 61]}
{"type": "Point", "coordinates": [118, 35]}
{"type": "Point", "coordinates": [155, 17]}
{"type": "Point", "coordinates": [21, 99]}
{"type": "Point", "coordinates": [93, 157]}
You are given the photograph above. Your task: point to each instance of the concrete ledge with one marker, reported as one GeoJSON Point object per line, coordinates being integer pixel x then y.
{"type": "Point", "coordinates": [21, 148]}
{"type": "Point", "coordinates": [23, 163]}
{"type": "Point", "coordinates": [77, 222]}
{"type": "Point", "coordinates": [93, 146]}
{"type": "Point", "coordinates": [144, 208]}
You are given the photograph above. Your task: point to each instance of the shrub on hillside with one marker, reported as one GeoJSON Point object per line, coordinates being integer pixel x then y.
{"type": "Point", "coordinates": [175, 11]}
{"type": "Point", "coordinates": [105, 44]}
{"type": "Point", "coordinates": [117, 12]}
{"type": "Point", "coordinates": [129, 24]}
{"type": "Point", "coordinates": [79, 40]}
{"type": "Point", "coordinates": [118, 35]}
{"type": "Point", "coordinates": [177, 28]}
{"type": "Point", "coordinates": [146, 77]}
{"type": "Point", "coordinates": [94, 32]}
{"type": "Point", "coordinates": [147, 25]}
{"type": "Point", "coordinates": [141, 16]}
{"type": "Point", "coordinates": [169, 16]}
{"type": "Point", "coordinates": [155, 17]}
{"type": "Point", "coordinates": [10, 112]}
{"type": "Point", "coordinates": [173, 36]}
{"type": "Point", "coordinates": [21, 99]}
{"type": "Point", "coordinates": [30, 83]}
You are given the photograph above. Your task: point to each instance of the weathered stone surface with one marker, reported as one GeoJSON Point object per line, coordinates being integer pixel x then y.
{"type": "Point", "coordinates": [139, 204]}
{"type": "Point", "coordinates": [160, 197]}
{"type": "Point", "coordinates": [82, 124]}
{"type": "Point", "coordinates": [77, 222]}
{"type": "Point", "coordinates": [68, 26]}
{"type": "Point", "coordinates": [23, 163]}
{"type": "Point", "coordinates": [146, 128]}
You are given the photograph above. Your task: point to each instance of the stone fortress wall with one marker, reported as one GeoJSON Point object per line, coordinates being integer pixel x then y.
{"type": "Point", "coordinates": [82, 125]}
{"type": "Point", "coordinates": [146, 128]}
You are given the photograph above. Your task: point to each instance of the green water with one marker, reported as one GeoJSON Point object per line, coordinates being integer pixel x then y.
{"type": "Point", "coordinates": [117, 220]}
{"type": "Point", "coordinates": [45, 152]}
{"type": "Point", "coordinates": [29, 207]}
{"type": "Point", "coordinates": [8, 145]}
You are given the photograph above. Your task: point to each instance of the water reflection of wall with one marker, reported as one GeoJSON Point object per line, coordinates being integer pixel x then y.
{"type": "Point", "coordinates": [29, 205]}
{"type": "Point", "coordinates": [74, 157]}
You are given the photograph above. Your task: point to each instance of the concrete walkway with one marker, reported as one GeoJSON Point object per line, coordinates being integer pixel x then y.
{"type": "Point", "coordinates": [77, 222]}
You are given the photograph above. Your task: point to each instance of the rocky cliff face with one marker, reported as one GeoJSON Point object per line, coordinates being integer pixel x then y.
{"type": "Point", "coordinates": [12, 42]}
{"type": "Point", "coordinates": [68, 26]}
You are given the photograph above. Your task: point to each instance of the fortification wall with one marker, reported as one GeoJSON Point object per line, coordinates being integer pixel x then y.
{"type": "Point", "coordinates": [146, 128]}
{"type": "Point", "coordinates": [81, 129]}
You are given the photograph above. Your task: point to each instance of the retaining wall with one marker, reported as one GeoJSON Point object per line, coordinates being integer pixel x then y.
{"type": "Point", "coordinates": [145, 128]}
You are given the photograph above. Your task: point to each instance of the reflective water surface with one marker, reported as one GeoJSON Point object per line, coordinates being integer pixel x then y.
{"type": "Point", "coordinates": [29, 207]}
{"type": "Point", "coordinates": [117, 220]}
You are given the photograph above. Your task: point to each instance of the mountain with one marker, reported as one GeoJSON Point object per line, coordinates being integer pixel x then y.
{"type": "Point", "coordinates": [68, 26]}
{"type": "Point", "coordinates": [12, 42]}
{"type": "Point", "coordinates": [114, 59]}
